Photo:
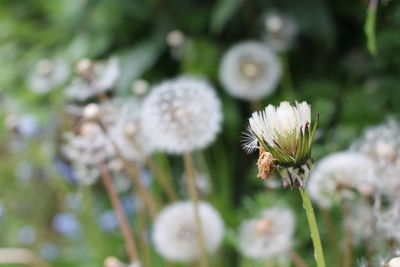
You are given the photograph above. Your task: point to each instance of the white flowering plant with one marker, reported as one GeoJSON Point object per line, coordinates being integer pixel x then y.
{"type": "Point", "coordinates": [285, 132]}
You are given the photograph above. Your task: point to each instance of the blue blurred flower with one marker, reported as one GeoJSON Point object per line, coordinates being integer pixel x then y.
{"type": "Point", "coordinates": [108, 221]}
{"type": "Point", "coordinates": [73, 201]}
{"type": "Point", "coordinates": [28, 126]}
{"type": "Point", "coordinates": [26, 235]}
{"type": "Point", "coordinates": [1, 210]}
{"type": "Point", "coordinates": [66, 224]}
{"type": "Point", "coordinates": [49, 251]}
{"type": "Point", "coordinates": [146, 176]}
{"type": "Point", "coordinates": [130, 203]}
{"type": "Point", "coordinates": [65, 169]}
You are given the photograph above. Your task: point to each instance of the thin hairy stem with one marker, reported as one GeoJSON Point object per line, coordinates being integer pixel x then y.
{"type": "Point", "coordinates": [191, 183]}
{"type": "Point", "coordinates": [122, 218]}
{"type": "Point", "coordinates": [312, 223]}
{"type": "Point", "coordinates": [332, 236]}
{"type": "Point", "coordinates": [348, 247]}
{"type": "Point", "coordinates": [160, 176]}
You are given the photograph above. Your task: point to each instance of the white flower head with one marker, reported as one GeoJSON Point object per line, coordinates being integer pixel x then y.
{"type": "Point", "coordinates": [86, 150]}
{"type": "Point", "coordinates": [382, 144]}
{"type": "Point", "coordinates": [285, 133]}
{"type": "Point", "coordinates": [250, 71]}
{"type": "Point", "coordinates": [388, 220]}
{"type": "Point", "coordinates": [395, 262]}
{"type": "Point", "coordinates": [269, 235]}
{"type": "Point", "coordinates": [280, 31]}
{"type": "Point", "coordinates": [48, 75]}
{"type": "Point", "coordinates": [182, 115]}
{"type": "Point", "coordinates": [342, 175]}
{"type": "Point", "coordinates": [362, 223]}
{"type": "Point", "coordinates": [174, 232]}
{"type": "Point", "coordinates": [94, 78]}
{"type": "Point", "coordinates": [127, 131]}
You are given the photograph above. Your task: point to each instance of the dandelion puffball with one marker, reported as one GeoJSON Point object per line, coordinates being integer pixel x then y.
{"type": "Point", "coordinates": [94, 78]}
{"type": "Point", "coordinates": [250, 71]}
{"type": "Point", "coordinates": [395, 262]}
{"type": "Point", "coordinates": [181, 115]}
{"type": "Point", "coordinates": [174, 232]}
{"type": "Point", "coordinates": [48, 74]}
{"type": "Point", "coordinates": [339, 176]}
{"type": "Point", "coordinates": [126, 129]}
{"type": "Point", "coordinates": [280, 31]}
{"type": "Point", "coordinates": [269, 235]}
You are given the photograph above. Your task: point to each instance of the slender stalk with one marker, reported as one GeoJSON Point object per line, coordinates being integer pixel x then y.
{"type": "Point", "coordinates": [348, 248]}
{"type": "Point", "coordinates": [312, 223]}
{"type": "Point", "coordinates": [297, 259]}
{"type": "Point", "coordinates": [332, 236]}
{"type": "Point", "coordinates": [144, 194]}
{"type": "Point", "coordinates": [122, 218]}
{"type": "Point", "coordinates": [287, 84]}
{"type": "Point", "coordinates": [191, 183]}
{"type": "Point", "coordinates": [161, 178]}
{"type": "Point", "coordinates": [256, 105]}
{"type": "Point", "coordinates": [133, 173]}
{"type": "Point", "coordinates": [370, 25]}
{"type": "Point", "coordinates": [143, 243]}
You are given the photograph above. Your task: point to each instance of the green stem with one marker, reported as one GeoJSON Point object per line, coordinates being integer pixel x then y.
{"type": "Point", "coordinates": [312, 222]}
{"type": "Point", "coordinates": [370, 25]}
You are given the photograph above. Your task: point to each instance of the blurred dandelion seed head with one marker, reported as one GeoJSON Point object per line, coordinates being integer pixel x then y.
{"type": "Point", "coordinates": [250, 71]}
{"type": "Point", "coordinates": [269, 235]}
{"type": "Point", "coordinates": [140, 87]}
{"type": "Point", "coordinates": [94, 78]}
{"type": "Point", "coordinates": [48, 75]}
{"type": "Point", "coordinates": [174, 232]}
{"type": "Point", "coordinates": [182, 115]}
{"type": "Point", "coordinates": [342, 175]}
{"type": "Point", "coordinates": [280, 31]}
{"type": "Point", "coordinates": [395, 262]}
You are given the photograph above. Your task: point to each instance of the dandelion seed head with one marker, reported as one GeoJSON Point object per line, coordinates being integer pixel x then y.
{"type": "Point", "coordinates": [395, 262]}
{"type": "Point", "coordinates": [94, 78]}
{"type": "Point", "coordinates": [126, 129]}
{"type": "Point", "coordinates": [140, 87]}
{"type": "Point", "coordinates": [86, 149]}
{"type": "Point", "coordinates": [91, 111]}
{"type": "Point", "coordinates": [175, 38]}
{"type": "Point", "coordinates": [174, 232]}
{"type": "Point", "coordinates": [181, 115]}
{"type": "Point", "coordinates": [382, 144]}
{"type": "Point", "coordinates": [269, 235]}
{"type": "Point", "coordinates": [280, 31]}
{"type": "Point", "coordinates": [48, 75]}
{"type": "Point", "coordinates": [341, 176]}
{"type": "Point", "coordinates": [250, 71]}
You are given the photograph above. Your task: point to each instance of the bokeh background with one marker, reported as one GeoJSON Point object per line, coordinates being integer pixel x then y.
{"type": "Point", "coordinates": [43, 208]}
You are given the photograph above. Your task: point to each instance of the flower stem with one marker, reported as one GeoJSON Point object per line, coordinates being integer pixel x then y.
{"type": "Point", "coordinates": [122, 219]}
{"type": "Point", "coordinates": [370, 25]}
{"type": "Point", "coordinates": [318, 250]}
{"type": "Point", "coordinates": [348, 253]}
{"type": "Point", "coordinates": [191, 182]}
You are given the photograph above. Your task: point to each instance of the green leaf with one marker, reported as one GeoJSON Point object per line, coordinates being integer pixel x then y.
{"type": "Point", "coordinates": [138, 59]}
{"type": "Point", "coordinates": [222, 13]}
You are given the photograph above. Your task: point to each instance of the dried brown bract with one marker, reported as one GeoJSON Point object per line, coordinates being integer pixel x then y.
{"type": "Point", "coordinates": [266, 165]}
